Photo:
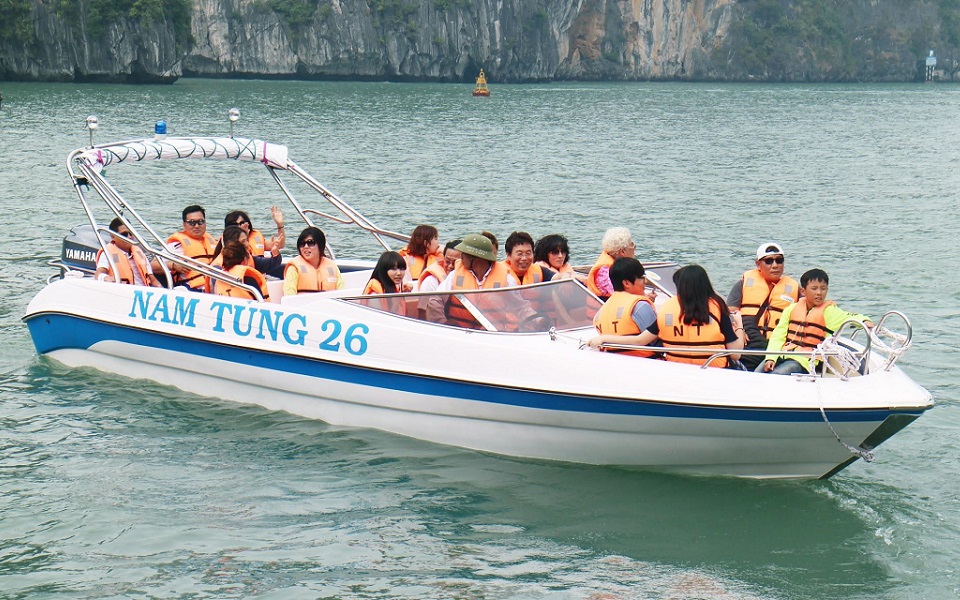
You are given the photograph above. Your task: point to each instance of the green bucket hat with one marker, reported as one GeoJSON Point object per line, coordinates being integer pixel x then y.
{"type": "Point", "coordinates": [477, 245]}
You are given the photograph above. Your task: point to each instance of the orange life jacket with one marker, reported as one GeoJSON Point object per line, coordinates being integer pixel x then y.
{"type": "Point", "coordinates": [225, 288]}
{"type": "Point", "coordinates": [433, 270]}
{"type": "Point", "coordinates": [464, 279]}
{"type": "Point", "coordinates": [533, 275]}
{"type": "Point", "coordinates": [605, 260]}
{"type": "Point", "coordinates": [615, 318]}
{"type": "Point", "coordinates": [256, 242]}
{"type": "Point", "coordinates": [807, 329]}
{"type": "Point", "coordinates": [765, 302]}
{"type": "Point", "coordinates": [417, 264]}
{"type": "Point", "coordinates": [120, 260]}
{"type": "Point", "coordinates": [674, 333]}
{"type": "Point", "coordinates": [394, 305]}
{"type": "Point", "coordinates": [199, 250]}
{"type": "Point", "coordinates": [322, 279]}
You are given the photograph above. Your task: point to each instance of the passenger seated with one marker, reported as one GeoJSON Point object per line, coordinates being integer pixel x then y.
{"type": "Point", "coordinates": [479, 269]}
{"type": "Point", "coordinates": [434, 275]}
{"type": "Point", "coordinates": [422, 251]}
{"type": "Point", "coordinates": [519, 247]}
{"type": "Point", "coordinates": [311, 271]}
{"type": "Point", "coordinates": [268, 265]}
{"type": "Point", "coordinates": [235, 259]}
{"type": "Point", "coordinates": [806, 323]}
{"type": "Point", "coordinates": [697, 317]}
{"type": "Point", "coordinates": [193, 242]}
{"type": "Point", "coordinates": [259, 246]}
{"type": "Point", "coordinates": [130, 260]}
{"type": "Point", "coordinates": [553, 252]}
{"type": "Point", "coordinates": [387, 278]}
{"type": "Point", "coordinates": [616, 242]}
{"type": "Point", "coordinates": [629, 311]}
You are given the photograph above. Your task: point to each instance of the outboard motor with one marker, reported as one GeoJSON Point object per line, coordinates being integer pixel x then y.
{"type": "Point", "coordinates": [79, 250]}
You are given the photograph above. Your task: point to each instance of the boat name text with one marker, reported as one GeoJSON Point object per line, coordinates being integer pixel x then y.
{"type": "Point", "coordinates": [246, 320]}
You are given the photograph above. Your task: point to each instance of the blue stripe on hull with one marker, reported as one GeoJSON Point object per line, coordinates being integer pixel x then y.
{"type": "Point", "coordinates": [55, 331]}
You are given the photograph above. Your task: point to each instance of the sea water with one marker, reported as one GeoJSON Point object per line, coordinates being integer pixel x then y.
{"type": "Point", "coordinates": [118, 488]}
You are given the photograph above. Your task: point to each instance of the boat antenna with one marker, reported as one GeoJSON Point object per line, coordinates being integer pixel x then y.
{"type": "Point", "coordinates": [234, 115]}
{"type": "Point", "coordinates": [92, 124]}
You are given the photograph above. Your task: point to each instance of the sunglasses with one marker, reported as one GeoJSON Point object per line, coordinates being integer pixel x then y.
{"type": "Point", "coordinates": [127, 234]}
{"type": "Point", "coordinates": [243, 222]}
{"type": "Point", "coordinates": [196, 223]}
{"type": "Point", "coordinates": [307, 243]}
{"type": "Point", "coordinates": [773, 259]}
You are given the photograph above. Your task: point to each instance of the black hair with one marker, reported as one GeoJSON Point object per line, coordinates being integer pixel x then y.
{"type": "Point", "coordinates": [231, 233]}
{"type": "Point", "coordinates": [388, 260]}
{"type": "Point", "coordinates": [451, 245]}
{"type": "Point", "coordinates": [317, 236]}
{"type": "Point", "coordinates": [234, 253]}
{"type": "Point", "coordinates": [625, 269]}
{"type": "Point", "coordinates": [192, 209]}
{"type": "Point", "coordinates": [551, 243]}
{"type": "Point", "coordinates": [517, 238]}
{"type": "Point", "coordinates": [115, 224]}
{"type": "Point", "coordinates": [231, 218]}
{"type": "Point", "coordinates": [694, 291]}
{"type": "Point", "coordinates": [814, 275]}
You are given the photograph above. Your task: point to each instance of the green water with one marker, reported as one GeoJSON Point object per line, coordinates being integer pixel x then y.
{"type": "Point", "coordinates": [117, 488]}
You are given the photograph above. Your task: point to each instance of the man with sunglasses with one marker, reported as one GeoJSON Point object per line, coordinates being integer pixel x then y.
{"type": "Point", "coordinates": [130, 261]}
{"type": "Point", "coordinates": [761, 295]}
{"type": "Point", "coordinates": [193, 242]}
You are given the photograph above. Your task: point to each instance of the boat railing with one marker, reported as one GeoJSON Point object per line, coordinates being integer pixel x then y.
{"type": "Point", "coordinates": [900, 342]}
{"type": "Point", "coordinates": [89, 177]}
{"type": "Point", "coordinates": [835, 354]}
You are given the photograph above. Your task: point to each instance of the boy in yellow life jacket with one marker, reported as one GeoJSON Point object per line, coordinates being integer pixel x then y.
{"type": "Point", "coordinates": [806, 323]}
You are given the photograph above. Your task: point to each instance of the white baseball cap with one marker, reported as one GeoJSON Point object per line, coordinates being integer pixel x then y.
{"type": "Point", "coordinates": [769, 249]}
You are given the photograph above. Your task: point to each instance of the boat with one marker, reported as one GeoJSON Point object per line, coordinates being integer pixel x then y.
{"type": "Point", "coordinates": [531, 389]}
{"type": "Point", "coordinates": [481, 87]}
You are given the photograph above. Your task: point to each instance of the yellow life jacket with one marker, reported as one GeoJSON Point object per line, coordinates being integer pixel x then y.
{"type": "Point", "coordinates": [674, 333]}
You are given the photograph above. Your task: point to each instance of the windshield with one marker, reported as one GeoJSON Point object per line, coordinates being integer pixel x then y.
{"type": "Point", "coordinates": [563, 304]}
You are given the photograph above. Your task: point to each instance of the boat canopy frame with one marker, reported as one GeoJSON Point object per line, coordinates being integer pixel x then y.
{"type": "Point", "coordinates": [85, 167]}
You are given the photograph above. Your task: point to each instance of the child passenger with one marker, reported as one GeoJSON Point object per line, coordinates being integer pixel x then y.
{"type": "Point", "coordinates": [804, 324]}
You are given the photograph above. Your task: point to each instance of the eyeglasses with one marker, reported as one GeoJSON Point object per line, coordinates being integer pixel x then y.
{"type": "Point", "coordinates": [773, 259]}
{"type": "Point", "coordinates": [307, 243]}
{"type": "Point", "coordinates": [196, 223]}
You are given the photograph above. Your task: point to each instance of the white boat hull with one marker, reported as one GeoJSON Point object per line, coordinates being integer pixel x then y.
{"type": "Point", "coordinates": [517, 395]}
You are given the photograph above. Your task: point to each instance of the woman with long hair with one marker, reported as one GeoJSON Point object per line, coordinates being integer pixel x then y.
{"type": "Point", "coordinates": [422, 250]}
{"type": "Point", "coordinates": [259, 245]}
{"type": "Point", "coordinates": [235, 256]}
{"type": "Point", "coordinates": [697, 318]}
{"type": "Point", "coordinates": [387, 278]}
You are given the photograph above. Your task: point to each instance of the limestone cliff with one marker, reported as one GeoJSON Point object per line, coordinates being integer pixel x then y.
{"type": "Point", "coordinates": [513, 40]}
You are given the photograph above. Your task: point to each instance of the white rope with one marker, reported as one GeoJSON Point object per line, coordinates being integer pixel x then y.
{"type": "Point", "coordinates": [845, 360]}
{"type": "Point", "coordinates": [866, 455]}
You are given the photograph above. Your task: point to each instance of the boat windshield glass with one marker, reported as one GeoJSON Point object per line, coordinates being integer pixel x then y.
{"type": "Point", "coordinates": [563, 304]}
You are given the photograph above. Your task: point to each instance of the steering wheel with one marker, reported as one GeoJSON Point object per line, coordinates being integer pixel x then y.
{"type": "Point", "coordinates": [538, 322]}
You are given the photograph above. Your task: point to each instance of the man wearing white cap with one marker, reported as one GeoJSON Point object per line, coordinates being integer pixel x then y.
{"type": "Point", "coordinates": [761, 295]}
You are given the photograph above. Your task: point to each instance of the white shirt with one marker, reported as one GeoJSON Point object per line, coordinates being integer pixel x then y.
{"type": "Point", "coordinates": [105, 263]}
